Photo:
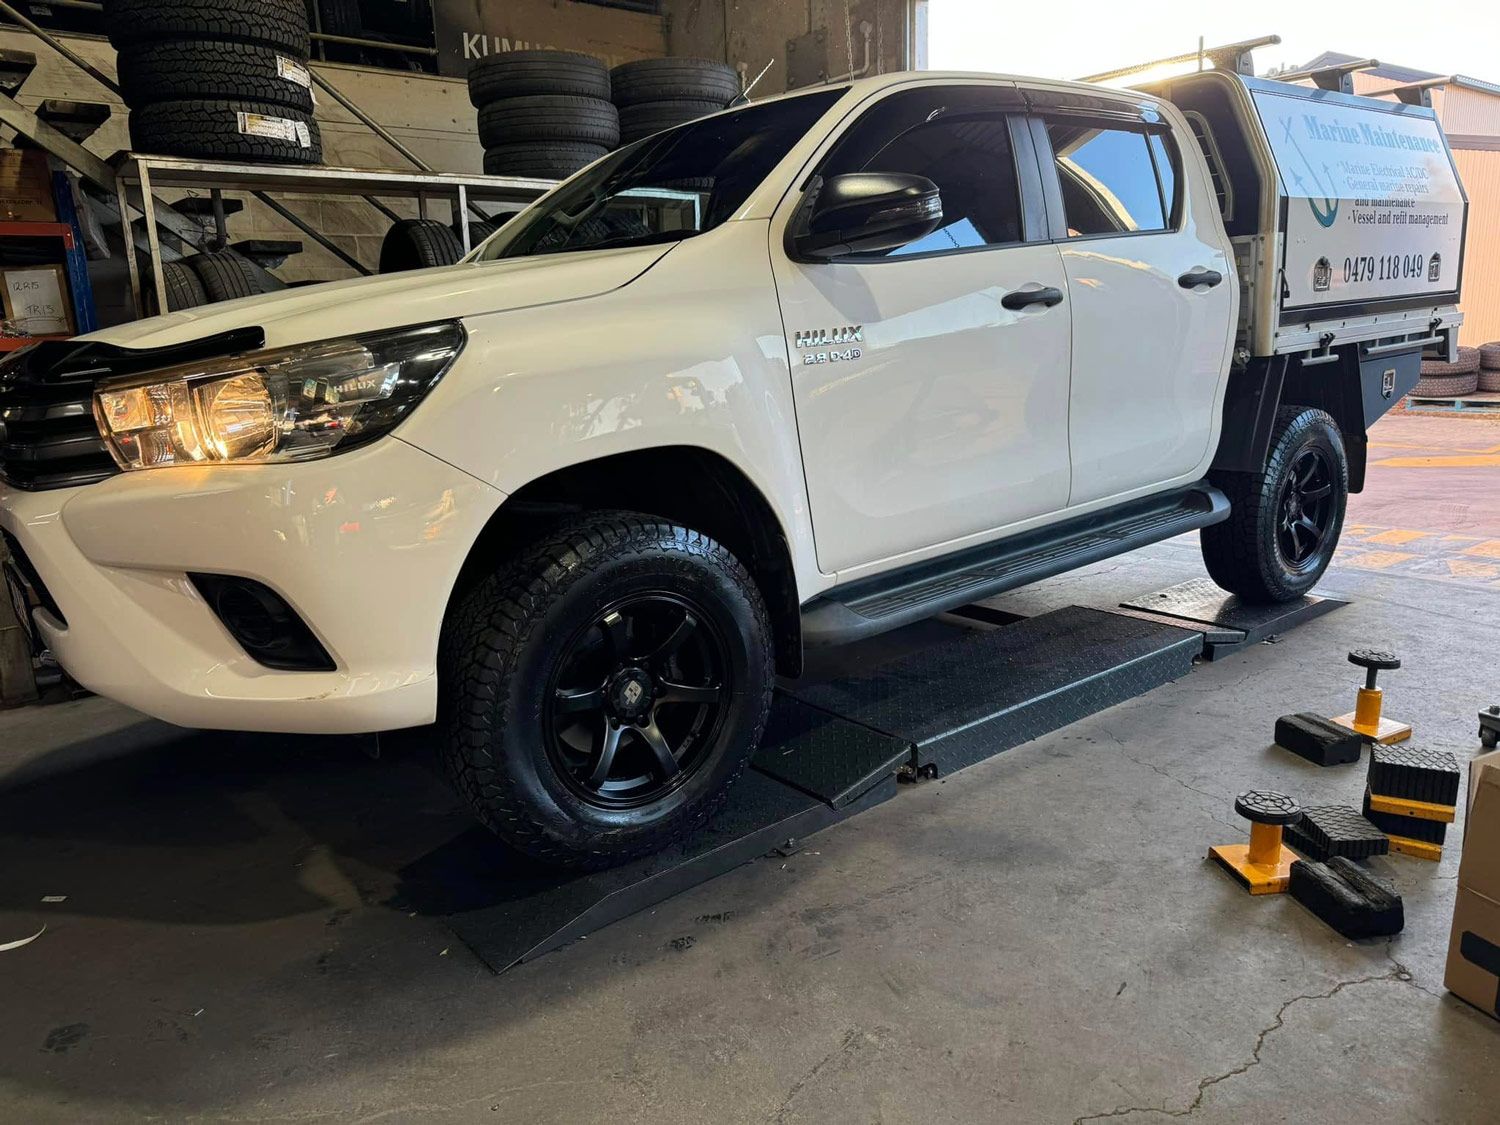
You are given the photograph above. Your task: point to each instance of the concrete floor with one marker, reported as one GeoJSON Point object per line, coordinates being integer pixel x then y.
{"type": "Point", "coordinates": [1037, 939]}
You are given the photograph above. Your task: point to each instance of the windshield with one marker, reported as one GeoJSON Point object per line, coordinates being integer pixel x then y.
{"type": "Point", "coordinates": [668, 187]}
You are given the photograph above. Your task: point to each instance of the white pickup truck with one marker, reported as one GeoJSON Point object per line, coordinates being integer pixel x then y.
{"type": "Point", "coordinates": [789, 375]}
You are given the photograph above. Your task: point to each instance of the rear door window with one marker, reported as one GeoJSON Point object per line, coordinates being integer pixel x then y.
{"type": "Point", "coordinates": [1114, 180]}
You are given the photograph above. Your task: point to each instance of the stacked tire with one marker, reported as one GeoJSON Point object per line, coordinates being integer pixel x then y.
{"type": "Point", "coordinates": [1489, 368]}
{"type": "Point", "coordinates": [657, 94]}
{"type": "Point", "coordinates": [543, 114]}
{"type": "Point", "coordinates": [1441, 379]}
{"type": "Point", "coordinates": [204, 279]}
{"type": "Point", "coordinates": [220, 81]}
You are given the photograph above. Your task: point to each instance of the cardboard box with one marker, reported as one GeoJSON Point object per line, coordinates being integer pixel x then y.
{"type": "Point", "coordinates": [1477, 765]}
{"type": "Point", "coordinates": [1474, 948]}
{"type": "Point", "coordinates": [37, 300]}
{"type": "Point", "coordinates": [26, 187]}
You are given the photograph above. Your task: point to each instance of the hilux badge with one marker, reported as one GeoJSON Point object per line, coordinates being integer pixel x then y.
{"type": "Point", "coordinates": [831, 337]}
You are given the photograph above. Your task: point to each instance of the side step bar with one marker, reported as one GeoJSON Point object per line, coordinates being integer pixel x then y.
{"type": "Point", "coordinates": [890, 601]}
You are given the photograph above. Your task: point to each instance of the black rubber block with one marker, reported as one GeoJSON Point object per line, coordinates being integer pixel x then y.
{"type": "Point", "coordinates": [1415, 774]}
{"type": "Point", "coordinates": [1348, 898]}
{"type": "Point", "coordinates": [1319, 740]}
{"type": "Point", "coordinates": [1428, 831]}
{"type": "Point", "coordinates": [1327, 831]}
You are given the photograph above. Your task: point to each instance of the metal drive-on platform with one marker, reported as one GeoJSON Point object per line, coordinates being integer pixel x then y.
{"type": "Point", "coordinates": [836, 747]}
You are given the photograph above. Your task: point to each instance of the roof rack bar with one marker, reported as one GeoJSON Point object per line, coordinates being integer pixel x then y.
{"type": "Point", "coordinates": [1338, 77]}
{"type": "Point", "coordinates": [1231, 56]}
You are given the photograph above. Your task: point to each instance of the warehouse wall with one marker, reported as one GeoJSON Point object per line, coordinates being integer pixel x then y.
{"type": "Point", "coordinates": [751, 33]}
{"type": "Point", "coordinates": [470, 29]}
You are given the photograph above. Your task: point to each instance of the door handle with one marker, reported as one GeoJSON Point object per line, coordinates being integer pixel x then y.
{"type": "Point", "coordinates": [1200, 276]}
{"type": "Point", "coordinates": [1024, 298]}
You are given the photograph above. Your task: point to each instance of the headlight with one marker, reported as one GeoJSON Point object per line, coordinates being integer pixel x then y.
{"type": "Point", "coordinates": [286, 405]}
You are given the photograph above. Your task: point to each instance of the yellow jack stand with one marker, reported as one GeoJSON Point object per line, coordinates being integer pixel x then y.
{"type": "Point", "coordinates": [1263, 867]}
{"type": "Point", "coordinates": [1366, 718]}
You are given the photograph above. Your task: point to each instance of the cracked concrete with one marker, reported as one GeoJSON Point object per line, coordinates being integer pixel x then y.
{"type": "Point", "coordinates": [1036, 939]}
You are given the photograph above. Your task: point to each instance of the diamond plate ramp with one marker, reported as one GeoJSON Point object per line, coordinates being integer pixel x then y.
{"type": "Point", "coordinates": [988, 692]}
{"type": "Point", "coordinates": [827, 756]}
{"type": "Point", "coordinates": [1227, 624]}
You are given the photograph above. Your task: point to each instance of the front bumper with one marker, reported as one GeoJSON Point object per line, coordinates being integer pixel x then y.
{"type": "Point", "coordinates": [365, 546]}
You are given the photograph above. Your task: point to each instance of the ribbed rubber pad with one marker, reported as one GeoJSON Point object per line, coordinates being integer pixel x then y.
{"type": "Point", "coordinates": [1327, 831]}
{"type": "Point", "coordinates": [1319, 740]}
{"type": "Point", "coordinates": [1415, 773]}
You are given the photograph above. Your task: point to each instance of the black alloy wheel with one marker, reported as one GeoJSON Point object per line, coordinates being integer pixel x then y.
{"type": "Point", "coordinates": [638, 701]}
{"type": "Point", "coordinates": [1307, 506]}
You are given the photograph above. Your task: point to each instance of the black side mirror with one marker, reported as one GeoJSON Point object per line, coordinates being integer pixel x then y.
{"type": "Point", "coordinates": [868, 212]}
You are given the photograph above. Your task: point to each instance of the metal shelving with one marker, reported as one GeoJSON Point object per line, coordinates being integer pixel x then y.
{"type": "Point", "coordinates": [149, 174]}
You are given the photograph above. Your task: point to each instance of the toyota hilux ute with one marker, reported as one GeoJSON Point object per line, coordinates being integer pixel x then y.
{"type": "Point", "coordinates": [785, 376]}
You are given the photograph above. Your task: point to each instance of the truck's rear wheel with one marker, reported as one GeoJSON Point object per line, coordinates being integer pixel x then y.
{"type": "Point", "coordinates": [603, 691]}
{"type": "Point", "coordinates": [1285, 521]}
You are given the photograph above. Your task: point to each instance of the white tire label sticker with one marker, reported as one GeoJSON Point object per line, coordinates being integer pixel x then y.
{"type": "Point", "coordinates": [274, 128]}
{"type": "Point", "coordinates": [293, 71]}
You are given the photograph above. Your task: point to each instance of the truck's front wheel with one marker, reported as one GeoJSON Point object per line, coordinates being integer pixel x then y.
{"type": "Point", "coordinates": [602, 692]}
{"type": "Point", "coordinates": [1285, 521]}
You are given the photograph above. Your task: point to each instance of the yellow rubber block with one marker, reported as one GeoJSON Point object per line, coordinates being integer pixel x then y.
{"type": "Point", "coordinates": [1420, 849]}
{"type": "Point", "coordinates": [1388, 733]}
{"type": "Point", "coordinates": [1417, 810]}
{"type": "Point", "coordinates": [1257, 878]}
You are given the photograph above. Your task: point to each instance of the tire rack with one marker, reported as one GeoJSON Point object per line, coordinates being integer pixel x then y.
{"type": "Point", "coordinates": [154, 173]}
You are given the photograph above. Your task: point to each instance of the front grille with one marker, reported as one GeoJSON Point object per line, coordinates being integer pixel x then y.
{"type": "Point", "coordinates": [33, 579]}
{"type": "Point", "coordinates": [50, 439]}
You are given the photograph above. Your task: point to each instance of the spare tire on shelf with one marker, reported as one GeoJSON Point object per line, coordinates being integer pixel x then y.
{"type": "Point", "coordinates": [226, 276]}
{"type": "Point", "coordinates": [524, 74]}
{"type": "Point", "coordinates": [226, 130]}
{"type": "Point", "coordinates": [479, 230]}
{"type": "Point", "coordinates": [540, 160]}
{"type": "Point", "coordinates": [659, 80]}
{"type": "Point", "coordinates": [184, 290]}
{"type": "Point", "coordinates": [549, 117]}
{"type": "Point", "coordinates": [418, 244]}
{"type": "Point", "coordinates": [279, 24]}
{"type": "Point", "coordinates": [214, 71]}
{"type": "Point", "coordinates": [640, 121]}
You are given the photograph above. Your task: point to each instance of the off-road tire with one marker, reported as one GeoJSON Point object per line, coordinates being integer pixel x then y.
{"type": "Point", "coordinates": [538, 160]}
{"type": "Point", "coordinates": [499, 647]}
{"type": "Point", "coordinates": [1242, 553]}
{"type": "Point", "coordinates": [1447, 386]}
{"type": "Point", "coordinates": [419, 244]}
{"type": "Point", "coordinates": [281, 24]}
{"type": "Point", "coordinates": [222, 71]}
{"type": "Point", "coordinates": [211, 128]}
{"type": "Point", "coordinates": [1489, 380]}
{"type": "Point", "coordinates": [1489, 356]}
{"type": "Point", "coordinates": [660, 80]}
{"type": "Point", "coordinates": [1469, 361]}
{"type": "Point", "coordinates": [524, 74]}
{"type": "Point", "coordinates": [227, 276]}
{"type": "Point", "coordinates": [184, 289]}
{"type": "Point", "coordinates": [638, 122]}
{"type": "Point", "coordinates": [549, 117]}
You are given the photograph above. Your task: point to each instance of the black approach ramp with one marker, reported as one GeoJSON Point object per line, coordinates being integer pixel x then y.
{"type": "Point", "coordinates": [836, 748]}
{"type": "Point", "coordinates": [1227, 624]}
